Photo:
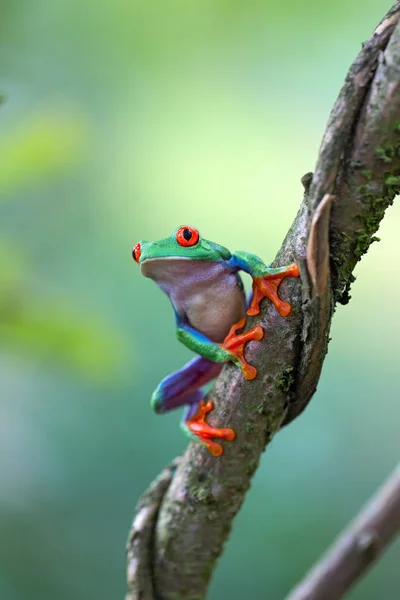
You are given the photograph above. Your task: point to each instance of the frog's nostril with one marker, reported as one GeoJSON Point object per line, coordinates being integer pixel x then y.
{"type": "Point", "coordinates": [136, 251]}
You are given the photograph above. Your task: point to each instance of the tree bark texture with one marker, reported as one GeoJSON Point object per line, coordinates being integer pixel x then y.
{"type": "Point", "coordinates": [174, 546]}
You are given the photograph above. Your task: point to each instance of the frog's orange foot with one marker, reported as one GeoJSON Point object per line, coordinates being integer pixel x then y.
{"type": "Point", "coordinates": [267, 287]}
{"type": "Point", "coordinates": [235, 343]}
{"type": "Point", "coordinates": [198, 427]}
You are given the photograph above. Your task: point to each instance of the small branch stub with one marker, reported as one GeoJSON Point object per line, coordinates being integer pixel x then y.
{"type": "Point", "coordinates": [318, 247]}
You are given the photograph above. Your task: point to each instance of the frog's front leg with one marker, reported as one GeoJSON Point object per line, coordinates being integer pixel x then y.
{"type": "Point", "coordinates": [183, 387]}
{"type": "Point", "coordinates": [232, 348]}
{"type": "Point", "coordinates": [266, 281]}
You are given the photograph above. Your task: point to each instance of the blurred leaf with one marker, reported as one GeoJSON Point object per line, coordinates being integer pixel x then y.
{"type": "Point", "coordinates": [12, 267]}
{"type": "Point", "coordinates": [84, 343]}
{"type": "Point", "coordinates": [46, 327]}
{"type": "Point", "coordinates": [43, 145]}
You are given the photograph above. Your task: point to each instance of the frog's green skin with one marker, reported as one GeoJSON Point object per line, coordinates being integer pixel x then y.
{"type": "Point", "coordinates": [201, 279]}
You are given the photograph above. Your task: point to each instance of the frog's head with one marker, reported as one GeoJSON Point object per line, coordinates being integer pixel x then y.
{"type": "Point", "coordinates": [185, 244]}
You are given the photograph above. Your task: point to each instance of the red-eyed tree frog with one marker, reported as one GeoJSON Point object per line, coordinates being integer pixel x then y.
{"type": "Point", "coordinates": [203, 284]}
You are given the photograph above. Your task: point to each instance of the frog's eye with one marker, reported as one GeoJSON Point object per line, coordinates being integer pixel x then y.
{"type": "Point", "coordinates": [187, 236]}
{"type": "Point", "coordinates": [136, 251]}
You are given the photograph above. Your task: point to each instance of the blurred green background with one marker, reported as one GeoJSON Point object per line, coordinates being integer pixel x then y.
{"type": "Point", "coordinates": [120, 121]}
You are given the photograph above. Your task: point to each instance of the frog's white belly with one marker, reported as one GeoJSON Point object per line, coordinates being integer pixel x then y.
{"type": "Point", "coordinates": [206, 294]}
{"type": "Point", "coordinates": [214, 309]}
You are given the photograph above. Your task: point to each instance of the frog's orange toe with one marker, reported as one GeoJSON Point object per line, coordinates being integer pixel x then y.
{"type": "Point", "coordinates": [213, 447]}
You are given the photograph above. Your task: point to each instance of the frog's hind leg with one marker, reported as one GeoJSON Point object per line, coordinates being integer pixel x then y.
{"type": "Point", "coordinates": [195, 426]}
{"type": "Point", "coordinates": [182, 387]}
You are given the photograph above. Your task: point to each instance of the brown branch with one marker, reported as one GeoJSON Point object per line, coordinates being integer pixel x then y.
{"type": "Point", "coordinates": [139, 549]}
{"type": "Point", "coordinates": [357, 548]}
{"type": "Point", "coordinates": [356, 177]}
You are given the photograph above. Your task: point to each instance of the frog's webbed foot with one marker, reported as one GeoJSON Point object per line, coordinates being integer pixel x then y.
{"type": "Point", "coordinates": [267, 287]}
{"type": "Point", "coordinates": [197, 428]}
{"type": "Point", "coordinates": [234, 343]}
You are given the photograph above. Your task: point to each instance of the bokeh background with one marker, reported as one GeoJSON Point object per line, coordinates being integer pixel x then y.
{"type": "Point", "coordinates": [120, 121]}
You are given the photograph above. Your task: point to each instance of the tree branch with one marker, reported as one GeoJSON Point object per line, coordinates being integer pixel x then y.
{"type": "Point", "coordinates": [356, 177]}
{"type": "Point", "coordinates": [357, 547]}
{"type": "Point", "coordinates": [139, 549]}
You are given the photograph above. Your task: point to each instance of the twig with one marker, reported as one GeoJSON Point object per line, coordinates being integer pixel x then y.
{"type": "Point", "coordinates": [357, 547]}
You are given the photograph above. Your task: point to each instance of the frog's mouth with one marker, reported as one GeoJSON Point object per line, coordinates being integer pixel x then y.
{"type": "Point", "coordinates": [165, 267]}
{"type": "Point", "coordinates": [175, 270]}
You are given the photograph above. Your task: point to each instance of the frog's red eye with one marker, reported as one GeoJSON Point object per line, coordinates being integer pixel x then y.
{"type": "Point", "coordinates": [136, 251]}
{"type": "Point", "coordinates": [187, 236]}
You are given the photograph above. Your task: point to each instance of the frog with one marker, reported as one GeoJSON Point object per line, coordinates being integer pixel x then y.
{"type": "Point", "coordinates": [202, 281]}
